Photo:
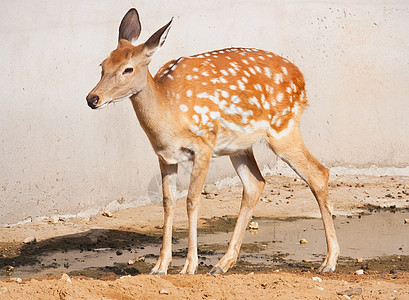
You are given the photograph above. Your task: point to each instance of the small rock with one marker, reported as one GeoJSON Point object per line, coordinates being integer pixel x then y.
{"type": "Point", "coordinates": [365, 266]}
{"type": "Point", "coordinates": [359, 272]}
{"type": "Point", "coordinates": [107, 213]}
{"type": "Point", "coordinates": [163, 292]}
{"type": "Point", "coordinates": [30, 240]}
{"type": "Point", "coordinates": [54, 220]}
{"type": "Point", "coordinates": [406, 221]}
{"type": "Point", "coordinates": [141, 259]}
{"type": "Point", "coordinates": [17, 279]}
{"type": "Point", "coordinates": [393, 271]}
{"type": "Point", "coordinates": [3, 289]}
{"type": "Point", "coordinates": [9, 270]}
{"type": "Point", "coordinates": [253, 225]}
{"type": "Point", "coordinates": [320, 288]}
{"type": "Point", "coordinates": [359, 259]}
{"type": "Point", "coordinates": [131, 262]}
{"type": "Point", "coordinates": [65, 277]}
{"type": "Point", "coordinates": [316, 278]}
{"type": "Point", "coordinates": [102, 249]}
{"type": "Point", "coordinates": [303, 241]}
{"type": "Point", "coordinates": [351, 292]}
{"type": "Point", "coordinates": [210, 189]}
{"type": "Point", "coordinates": [119, 252]}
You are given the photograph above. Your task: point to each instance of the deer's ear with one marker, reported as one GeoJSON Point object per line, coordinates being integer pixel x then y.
{"type": "Point", "coordinates": [130, 27]}
{"type": "Point", "coordinates": [157, 39]}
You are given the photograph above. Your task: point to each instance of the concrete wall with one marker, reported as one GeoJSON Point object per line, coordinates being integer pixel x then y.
{"type": "Point", "coordinates": [60, 157]}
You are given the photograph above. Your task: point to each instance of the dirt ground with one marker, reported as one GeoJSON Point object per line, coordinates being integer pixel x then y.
{"type": "Point", "coordinates": [283, 197]}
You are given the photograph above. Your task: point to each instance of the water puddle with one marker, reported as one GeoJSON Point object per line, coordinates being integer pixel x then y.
{"type": "Point", "coordinates": [276, 242]}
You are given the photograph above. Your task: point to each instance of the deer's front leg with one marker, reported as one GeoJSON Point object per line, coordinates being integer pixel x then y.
{"type": "Point", "coordinates": [169, 175]}
{"type": "Point", "coordinates": [200, 167]}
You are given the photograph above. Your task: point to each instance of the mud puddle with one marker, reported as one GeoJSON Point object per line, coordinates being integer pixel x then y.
{"type": "Point", "coordinates": [381, 237]}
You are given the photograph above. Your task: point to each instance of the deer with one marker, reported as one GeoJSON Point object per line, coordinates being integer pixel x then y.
{"type": "Point", "coordinates": [208, 105]}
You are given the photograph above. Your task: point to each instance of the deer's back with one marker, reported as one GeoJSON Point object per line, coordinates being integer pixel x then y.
{"type": "Point", "coordinates": [240, 89]}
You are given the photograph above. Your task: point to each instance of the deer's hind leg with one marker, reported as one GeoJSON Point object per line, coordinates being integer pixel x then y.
{"type": "Point", "coordinates": [253, 184]}
{"type": "Point", "coordinates": [292, 150]}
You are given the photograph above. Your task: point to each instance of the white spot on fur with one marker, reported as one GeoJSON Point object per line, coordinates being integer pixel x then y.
{"type": "Point", "coordinates": [189, 93]}
{"type": "Point", "coordinates": [205, 118]}
{"type": "Point", "coordinates": [224, 72]}
{"type": "Point", "coordinates": [225, 94]}
{"type": "Point", "coordinates": [254, 101]}
{"type": "Point", "coordinates": [205, 74]}
{"type": "Point", "coordinates": [200, 109]}
{"type": "Point", "coordinates": [214, 115]}
{"type": "Point", "coordinates": [267, 71]}
{"type": "Point", "coordinates": [232, 71]}
{"type": "Point", "coordinates": [189, 77]}
{"type": "Point", "coordinates": [233, 87]}
{"type": "Point", "coordinates": [241, 85]}
{"type": "Point", "coordinates": [235, 99]}
{"type": "Point", "coordinates": [284, 69]}
{"type": "Point", "coordinates": [280, 97]}
{"type": "Point", "coordinates": [278, 77]}
{"type": "Point", "coordinates": [282, 133]}
{"type": "Point", "coordinates": [183, 108]}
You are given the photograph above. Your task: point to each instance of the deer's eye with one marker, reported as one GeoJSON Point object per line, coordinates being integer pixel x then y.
{"type": "Point", "coordinates": [127, 71]}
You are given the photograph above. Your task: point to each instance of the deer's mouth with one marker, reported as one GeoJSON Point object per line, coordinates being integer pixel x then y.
{"type": "Point", "coordinates": [116, 100]}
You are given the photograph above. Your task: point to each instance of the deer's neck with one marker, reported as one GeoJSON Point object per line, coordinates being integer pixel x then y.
{"type": "Point", "coordinates": [153, 114]}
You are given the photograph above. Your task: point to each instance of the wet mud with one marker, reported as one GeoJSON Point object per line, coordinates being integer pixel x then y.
{"type": "Point", "coordinates": [376, 240]}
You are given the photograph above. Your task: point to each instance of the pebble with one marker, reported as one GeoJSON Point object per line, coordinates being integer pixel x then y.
{"type": "Point", "coordinates": [303, 241]}
{"type": "Point", "coordinates": [65, 277]}
{"type": "Point", "coordinates": [107, 213]}
{"type": "Point", "coordinates": [210, 189]}
{"type": "Point", "coordinates": [406, 221]}
{"type": "Point", "coordinates": [393, 271]}
{"type": "Point", "coordinates": [141, 258]}
{"type": "Point", "coordinates": [359, 259]}
{"type": "Point", "coordinates": [3, 289]}
{"type": "Point", "coordinates": [17, 279]}
{"type": "Point", "coordinates": [351, 292]}
{"type": "Point", "coordinates": [253, 225]}
{"type": "Point", "coordinates": [30, 240]}
{"type": "Point", "coordinates": [163, 292]}
{"type": "Point", "coordinates": [131, 262]}
{"type": "Point", "coordinates": [9, 270]}
{"type": "Point", "coordinates": [316, 278]}
{"type": "Point", "coordinates": [359, 272]}
{"type": "Point", "coordinates": [54, 220]}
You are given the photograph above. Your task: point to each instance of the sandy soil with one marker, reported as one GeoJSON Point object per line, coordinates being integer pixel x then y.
{"type": "Point", "coordinates": [282, 197]}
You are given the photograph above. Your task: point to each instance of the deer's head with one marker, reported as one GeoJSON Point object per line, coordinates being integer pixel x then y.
{"type": "Point", "coordinates": [124, 72]}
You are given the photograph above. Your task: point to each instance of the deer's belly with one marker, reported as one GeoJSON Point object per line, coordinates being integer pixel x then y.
{"type": "Point", "coordinates": [233, 142]}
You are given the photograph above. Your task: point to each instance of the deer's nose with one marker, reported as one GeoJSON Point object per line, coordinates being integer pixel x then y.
{"type": "Point", "coordinates": [92, 100]}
